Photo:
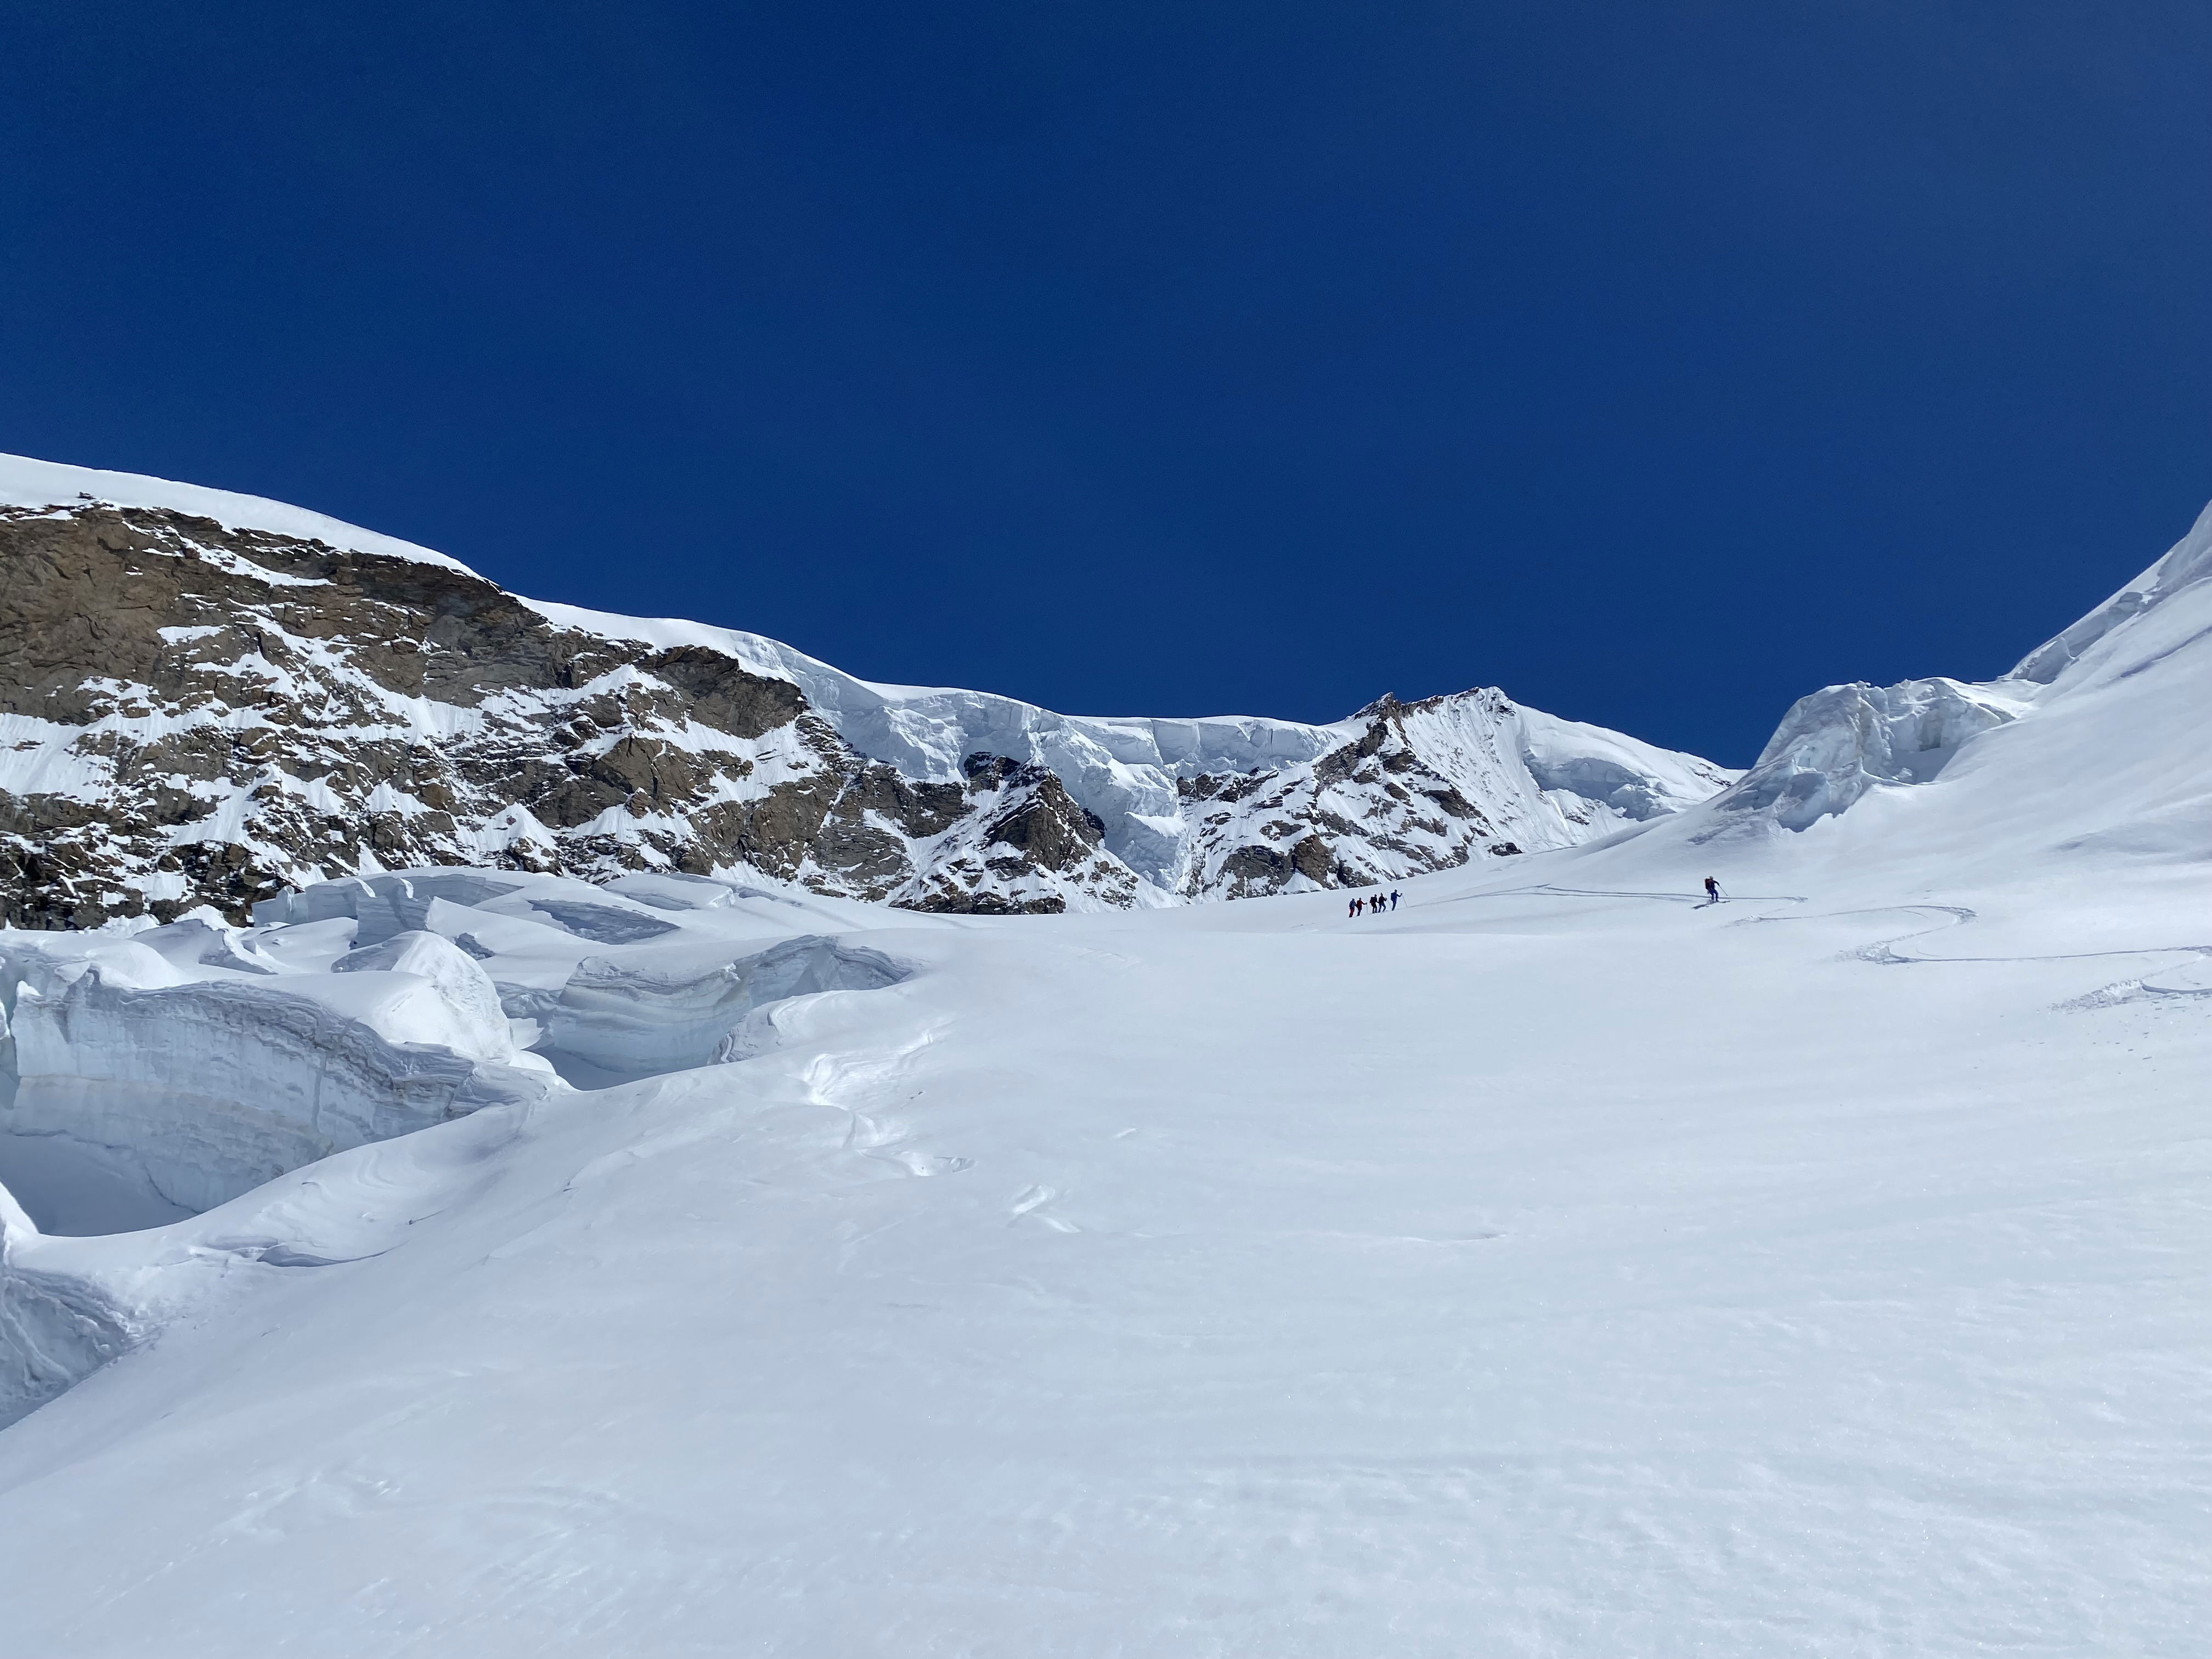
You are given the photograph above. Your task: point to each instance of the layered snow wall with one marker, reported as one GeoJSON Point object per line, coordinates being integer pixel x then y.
{"type": "Point", "coordinates": [638, 1018]}
{"type": "Point", "coordinates": [1842, 742]}
{"type": "Point", "coordinates": [147, 1078]}
{"type": "Point", "coordinates": [184, 1092]}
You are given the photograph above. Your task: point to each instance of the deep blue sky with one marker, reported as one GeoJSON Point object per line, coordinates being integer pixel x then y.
{"type": "Point", "coordinates": [1657, 361]}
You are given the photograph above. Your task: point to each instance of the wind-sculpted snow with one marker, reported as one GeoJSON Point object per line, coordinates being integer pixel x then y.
{"type": "Point", "coordinates": [641, 1015]}
{"type": "Point", "coordinates": [382, 905]}
{"type": "Point", "coordinates": [197, 942]}
{"type": "Point", "coordinates": [477, 1027]}
{"type": "Point", "coordinates": [192, 1093]}
{"type": "Point", "coordinates": [69, 1305]}
{"type": "Point", "coordinates": [2186, 564]}
{"type": "Point", "coordinates": [147, 1078]}
{"type": "Point", "coordinates": [56, 1328]}
{"type": "Point", "coordinates": [1836, 745]}
{"type": "Point", "coordinates": [156, 1075]}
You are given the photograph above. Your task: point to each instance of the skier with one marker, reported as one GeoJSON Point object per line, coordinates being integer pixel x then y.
{"type": "Point", "coordinates": [1394, 898]}
{"type": "Point", "coordinates": [1351, 907]}
{"type": "Point", "coordinates": [1713, 890]}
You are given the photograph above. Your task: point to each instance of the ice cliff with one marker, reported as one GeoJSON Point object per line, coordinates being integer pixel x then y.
{"type": "Point", "coordinates": [182, 1089]}
{"type": "Point", "coordinates": [1842, 741]}
{"type": "Point", "coordinates": [148, 1076]}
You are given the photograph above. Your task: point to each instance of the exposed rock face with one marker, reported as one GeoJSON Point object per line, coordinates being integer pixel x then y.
{"type": "Point", "coordinates": [193, 712]}
{"type": "Point", "coordinates": [210, 715]}
{"type": "Point", "coordinates": [1423, 786]}
{"type": "Point", "coordinates": [1026, 844]}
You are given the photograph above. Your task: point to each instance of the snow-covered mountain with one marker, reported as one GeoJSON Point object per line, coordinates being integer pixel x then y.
{"type": "Point", "coordinates": [493, 1261]}
{"type": "Point", "coordinates": [207, 698]}
{"type": "Point", "coordinates": [1842, 743]}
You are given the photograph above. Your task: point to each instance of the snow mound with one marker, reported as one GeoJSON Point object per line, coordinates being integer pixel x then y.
{"type": "Point", "coordinates": [153, 1077]}
{"type": "Point", "coordinates": [149, 1076]}
{"type": "Point", "coordinates": [476, 1026]}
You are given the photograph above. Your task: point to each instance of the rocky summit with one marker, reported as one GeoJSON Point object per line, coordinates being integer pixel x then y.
{"type": "Point", "coordinates": [210, 700]}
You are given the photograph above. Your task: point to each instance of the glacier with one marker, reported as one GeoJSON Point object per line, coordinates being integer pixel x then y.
{"type": "Point", "coordinates": [1558, 1263]}
{"type": "Point", "coordinates": [177, 1091]}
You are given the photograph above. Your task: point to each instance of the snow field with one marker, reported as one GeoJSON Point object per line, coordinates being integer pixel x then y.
{"type": "Point", "coordinates": [1557, 1266]}
{"type": "Point", "coordinates": [1523, 1273]}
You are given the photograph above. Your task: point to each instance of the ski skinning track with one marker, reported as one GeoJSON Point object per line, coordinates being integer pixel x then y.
{"type": "Point", "coordinates": [1883, 953]}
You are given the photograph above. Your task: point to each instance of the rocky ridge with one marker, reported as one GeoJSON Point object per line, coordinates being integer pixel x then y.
{"type": "Point", "coordinates": [196, 708]}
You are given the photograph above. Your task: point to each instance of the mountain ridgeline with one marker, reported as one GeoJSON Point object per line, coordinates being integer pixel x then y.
{"type": "Point", "coordinates": [210, 700]}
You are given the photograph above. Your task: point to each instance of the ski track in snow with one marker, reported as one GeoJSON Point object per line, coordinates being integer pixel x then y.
{"type": "Point", "coordinates": [1694, 900]}
{"type": "Point", "coordinates": [1883, 953]}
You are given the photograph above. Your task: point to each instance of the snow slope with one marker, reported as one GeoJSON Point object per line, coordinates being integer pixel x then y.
{"type": "Point", "coordinates": [27, 483]}
{"type": "Point", "coordinates": [1556, 1264]}
{"type": "Point", "coordinates": [2089, 747]}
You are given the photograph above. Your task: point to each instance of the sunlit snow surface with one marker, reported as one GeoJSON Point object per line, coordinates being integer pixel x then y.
{"type": "Point", "coordinates": [35, 483]}
{"type": "Point", "coordinates": [1555, 1266]}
